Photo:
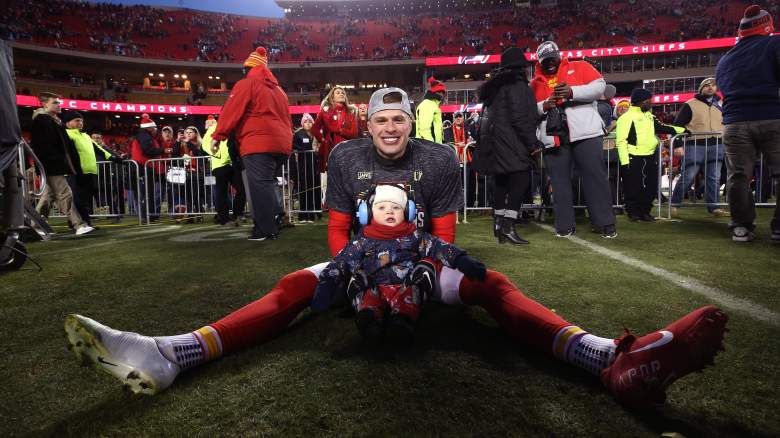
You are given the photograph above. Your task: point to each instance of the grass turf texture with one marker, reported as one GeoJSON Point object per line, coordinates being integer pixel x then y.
{"type": "Point", "coordinates": [462, 376]}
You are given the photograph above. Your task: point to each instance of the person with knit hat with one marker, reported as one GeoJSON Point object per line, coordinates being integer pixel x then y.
{"type": "Point", "coordinates": [304, 171]}
{"type": "Point", "coordinates": [257, 113]}
{"type": "Point", "coordinates": [379, 264]}
{"type": "Point", "coordinates": [85, 184]}
{"type": "Point", "coordinates": [572, 133]}
{"type": "Point", "coordinates": [702, 113]}
{"type": "Point", "coordinates": [429, 122]}
{"type": "Point", "coordinates": [748, 78]}
{"type": "Point", "coordinates": [507, 137]}
{"type": "Point", "coordinates": [144, 147]}
{"type": "Point", "coordinates": [60, 159]}
{"type": "Point", "coordinates": [637, 146]}
{"type": "Point", "coordinates": [336, 121]}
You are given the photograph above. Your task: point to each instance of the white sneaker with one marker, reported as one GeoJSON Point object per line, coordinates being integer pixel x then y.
{"type": "Point", "coordinates": [132, 358]}
{"type": "Point", "coordinates": [742, 234]}
{"type": "Point", "coordinates": [84, 229]}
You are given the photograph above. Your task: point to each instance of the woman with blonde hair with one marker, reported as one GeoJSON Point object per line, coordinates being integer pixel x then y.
{"type": "Point", "coordinates": [189, 147]}
{"type": "Point", "coordinates": [336, 122]}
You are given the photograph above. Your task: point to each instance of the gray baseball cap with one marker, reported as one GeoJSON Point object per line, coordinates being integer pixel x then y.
{"type": "Point", "coordinates": [377, 102]}
{"type": "Point", "coordinates": [547, 49]}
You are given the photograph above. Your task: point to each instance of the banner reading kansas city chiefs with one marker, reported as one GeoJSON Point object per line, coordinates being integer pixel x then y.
{"type": "Point", "coordinates": [601, 52]}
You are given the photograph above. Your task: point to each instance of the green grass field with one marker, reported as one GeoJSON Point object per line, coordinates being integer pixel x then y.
{"type": "Point", "coordinates": [462, 377]}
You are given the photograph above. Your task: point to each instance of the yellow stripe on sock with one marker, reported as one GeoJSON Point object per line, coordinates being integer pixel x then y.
{"type": "Point", "coordinates": [213, 344]}
{"type": "Point", "coordinates": [562, 339]}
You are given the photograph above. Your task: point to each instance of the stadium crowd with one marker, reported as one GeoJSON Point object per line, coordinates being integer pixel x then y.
{"type": "Point", "coordinates": [190, 35]}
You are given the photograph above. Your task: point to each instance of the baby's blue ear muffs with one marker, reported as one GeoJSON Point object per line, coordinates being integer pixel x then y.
{"type": "Point", "coordinates": [365, 203]}
{"type": "Point", "coordinates": [411, 209]}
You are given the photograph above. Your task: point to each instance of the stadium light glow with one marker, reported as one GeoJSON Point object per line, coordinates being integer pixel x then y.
{"type": "Point", "coordinates": [184, 76]}
{"type": "Point", "coordinates": [162, 75]}
{"type": "Point", "coordinates": [176, 76]}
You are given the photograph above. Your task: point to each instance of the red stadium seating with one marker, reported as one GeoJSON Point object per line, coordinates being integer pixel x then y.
{"type": "Point", "coordinates": [191, 35]}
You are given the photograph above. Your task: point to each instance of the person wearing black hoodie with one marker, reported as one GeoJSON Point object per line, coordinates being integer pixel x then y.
{"type": "Point", "coordinates": [507, 137]}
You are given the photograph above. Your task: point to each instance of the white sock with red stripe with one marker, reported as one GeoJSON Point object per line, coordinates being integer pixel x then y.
{"type": "Point", "coordinates": [584, 350]}
{"type": "Point", "coordinates": [191, 349]}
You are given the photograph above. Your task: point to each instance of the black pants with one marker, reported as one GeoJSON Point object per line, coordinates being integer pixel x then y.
{"type": "Point", "coordinates": [84, 191]}
{"type": "Point", "coordinates": [260, 171]}
{"type": "Point", "coordinates": [227, 176]}
{"type": "Point", "coordinates": [509, 191]}
{"type": "Point", "coordinates": [743, 142]}
{"type": "Point", "coordinates": [587, 158]}
{"type": "Point", "coordinates": [640, 184]}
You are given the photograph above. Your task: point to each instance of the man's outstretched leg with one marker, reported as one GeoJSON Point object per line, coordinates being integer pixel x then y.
{"type": "Point", "coordinates": [150, 364]}
{"type": "Point", "coordinates": [636, 371]}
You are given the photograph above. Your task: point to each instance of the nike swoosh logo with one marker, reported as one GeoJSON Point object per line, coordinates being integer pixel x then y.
{"type": "Point", "coordinates": [101, 360]}
{"type": "Point", "coordinates": [666, 337]}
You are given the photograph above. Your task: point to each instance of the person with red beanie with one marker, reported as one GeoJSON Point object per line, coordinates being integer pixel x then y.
{"type": "Point", "coordinates": [749, 79]}
{"type": "Point", "coordinates": [257, 113]}
{"type": "Point", "coordinates": [636, 370]}
{"type": "Point", "coordinates": [429, 122]}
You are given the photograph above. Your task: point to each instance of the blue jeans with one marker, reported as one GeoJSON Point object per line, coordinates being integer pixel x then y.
{"type": "Point", "coordinates": [710, 156]}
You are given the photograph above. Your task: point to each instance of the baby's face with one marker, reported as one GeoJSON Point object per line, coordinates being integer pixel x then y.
{"type": "Point", "coordinates": [387, 213]}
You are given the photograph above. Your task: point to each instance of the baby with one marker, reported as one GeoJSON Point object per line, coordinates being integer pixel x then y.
{"type": "Point", "coordinates": [389, 266]}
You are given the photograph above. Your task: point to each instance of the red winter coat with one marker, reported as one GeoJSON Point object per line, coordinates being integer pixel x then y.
{"type": "Point", "coordinates": [332, 126]}
{"type": "Point", "coordinates": [258, 113]}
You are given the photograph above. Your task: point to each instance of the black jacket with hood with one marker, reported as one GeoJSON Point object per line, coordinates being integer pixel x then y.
{"type": "Point", "coordinates": [52, 146]}
{"type": "Point", "coordinates": [507, 125]}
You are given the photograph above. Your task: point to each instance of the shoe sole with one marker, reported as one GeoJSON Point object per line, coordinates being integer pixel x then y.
{"type": "Point", "coordinates": [90, 351]}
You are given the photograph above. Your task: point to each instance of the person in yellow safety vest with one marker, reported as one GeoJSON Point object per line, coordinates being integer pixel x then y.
{"type": "Point", "coordinates": [85, 185]}
{"type": "Point", "coordinates": [226, 174]}
{"type": "Point", "coordinates": [429, 124]}
{"type": "Point", "coordinates": [636, 143]}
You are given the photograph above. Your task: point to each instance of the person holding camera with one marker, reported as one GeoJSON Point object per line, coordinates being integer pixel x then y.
{"type": "Point", "coordinates": [572, 132]}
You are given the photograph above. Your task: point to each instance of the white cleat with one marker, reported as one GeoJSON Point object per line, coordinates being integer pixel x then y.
{"type": "Point", "coordinates": [132, 358]}
{"type": "Point", "coordinates": [84, 229]}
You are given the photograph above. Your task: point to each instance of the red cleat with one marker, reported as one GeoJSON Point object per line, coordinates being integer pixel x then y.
{"type": "Point", "coordinates": [644, 367]}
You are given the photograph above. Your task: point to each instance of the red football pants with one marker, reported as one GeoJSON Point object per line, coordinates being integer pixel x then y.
{"type": "Point", "coordinates": [396, 298]}
{"type": "Point", "coordinates": [261, 320]}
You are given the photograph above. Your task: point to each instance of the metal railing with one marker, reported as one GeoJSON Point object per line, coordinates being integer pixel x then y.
{"type": "Point", "coordinates": [303, 186]}
{"type": "Point", "coordinates": [117, 182]}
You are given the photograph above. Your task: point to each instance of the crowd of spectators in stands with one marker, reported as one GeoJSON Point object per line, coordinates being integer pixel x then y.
{"type": "Point", "coordinates": [212, 37]}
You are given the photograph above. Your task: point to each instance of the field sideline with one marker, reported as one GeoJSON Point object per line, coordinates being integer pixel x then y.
{"type": "Point", "coordinates": [462, 377]}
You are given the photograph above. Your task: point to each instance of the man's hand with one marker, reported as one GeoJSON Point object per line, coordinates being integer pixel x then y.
{"type": "Point", "coordinates": [423, 277]}
{"type": "Point", "coordinates": [472, 268]}
{"type": "Point", "coordinates": [214, 146]}
{"type": "Point", "coordinates": [562, 90]}
{"type": "Point", "coordinates": [357, 283]}
{"type": "Point", "coordinates": [549, 103]}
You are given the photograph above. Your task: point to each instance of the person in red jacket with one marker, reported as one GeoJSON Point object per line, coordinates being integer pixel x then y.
{"type": "Point", "coordinates": [337, 121]}
{"type": "Point", "coordinates": [257, 113]}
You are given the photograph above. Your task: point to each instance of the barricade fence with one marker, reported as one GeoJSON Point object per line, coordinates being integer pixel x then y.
{"type": "Point", "coordinates": [303, 183]}
{"type": "Point", "coordinates": [682, 161]}
{"type": "Point", "coordinates": [113, 191]}
{"type": "Point", "coordinates": [691, 171]}
{"type": "Point", "coordinates": [181, 188]}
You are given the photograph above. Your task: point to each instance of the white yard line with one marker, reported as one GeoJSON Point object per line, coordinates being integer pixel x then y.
{"type": "Point", "coordinates": [119, 239]}
{"type": "Point", "coordinates": [756, 311]}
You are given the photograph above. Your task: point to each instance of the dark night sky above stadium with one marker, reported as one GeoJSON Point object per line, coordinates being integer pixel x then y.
{"type": "Point", "coordinates": [259, 8]}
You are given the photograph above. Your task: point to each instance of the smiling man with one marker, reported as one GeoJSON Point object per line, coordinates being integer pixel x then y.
{"type": "Point", "coordinates": [636, 370]}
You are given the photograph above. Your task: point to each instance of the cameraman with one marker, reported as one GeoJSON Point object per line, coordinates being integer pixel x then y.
{"type": "Point", "coordinates": [572, 132]}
